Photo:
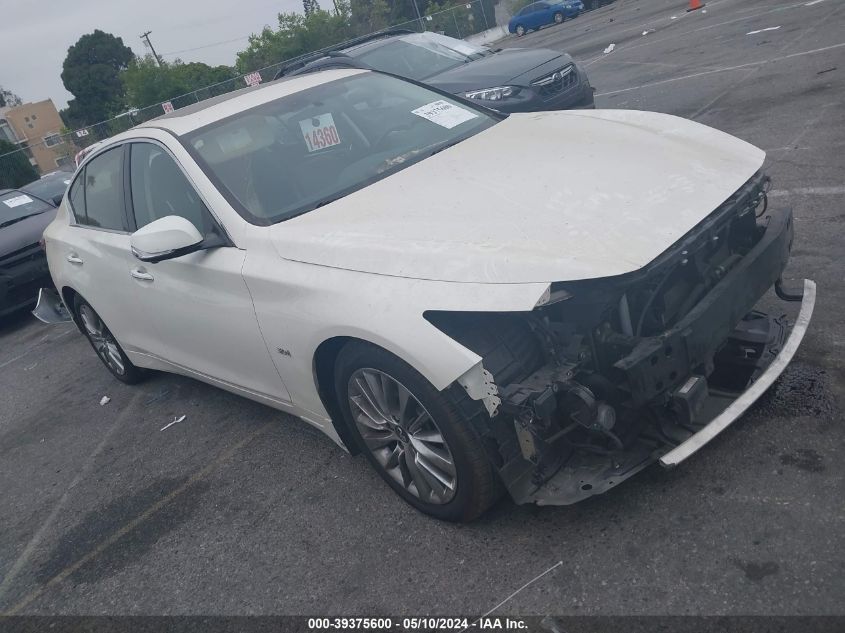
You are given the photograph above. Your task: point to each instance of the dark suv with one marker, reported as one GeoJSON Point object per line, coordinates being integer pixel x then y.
{"type": "Point", "coordinates": [510, 79]}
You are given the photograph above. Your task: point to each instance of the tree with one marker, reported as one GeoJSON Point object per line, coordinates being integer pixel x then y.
{"type": "Point", "coordinates": [8, 98]}
{"type": "Point", "coordinates": [147, 83]}
{"type": "Point", "coordinates": [15, 168]}
{"type": "Point", "coordinates": [310, 6]}
{"type": "Point", "coordinates": [296, 35]}
{"type": "Point", "coordinates": [369, 16]}
{"type": "Point", "coordinates": [91, 73]}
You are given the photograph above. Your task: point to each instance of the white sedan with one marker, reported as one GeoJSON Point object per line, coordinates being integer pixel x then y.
{"type": "Point", "coordinates": [542, 304]}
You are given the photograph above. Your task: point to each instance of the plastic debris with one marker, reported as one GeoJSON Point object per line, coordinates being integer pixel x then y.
{"type": "Point", "coordinates": [647, 32]}
{"type": "Point", "coordinates": [609, 48]}
{"type": "Point", "coordinates": [104, 401]}
{"type": "Point", "coordinates": [175, 421]}
{"type": "Point", "coordinates": [674, 17]}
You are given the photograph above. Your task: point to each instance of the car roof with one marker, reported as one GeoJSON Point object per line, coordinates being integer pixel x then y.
{"type": "Point", "coordinates": [195, 116]}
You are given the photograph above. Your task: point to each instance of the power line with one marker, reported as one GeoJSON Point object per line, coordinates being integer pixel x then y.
{"type": "Point", "coordinates": [199, 48]}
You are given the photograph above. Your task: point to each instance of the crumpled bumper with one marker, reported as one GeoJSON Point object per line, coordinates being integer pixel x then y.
{"type": "Point", "coordinates": [585, 476]}
{"type": "Point", "coordinates": [750, 395]}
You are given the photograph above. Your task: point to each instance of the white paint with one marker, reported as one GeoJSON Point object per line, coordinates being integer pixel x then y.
{"type": "Point", "coordinates": [750, 395]}
{"type": "Point", "coordinates": [824, 49]}
{"type": "Point", "coordinates": [809, 4]}
{"type": "Point", "coordinates": [175, 421]}
{"type": "Point", "coordinates": [808, 191]}
{"type": "Point", "coordinates": [771, 28]}
{"type": "Point", "coordinates": [506, 222]}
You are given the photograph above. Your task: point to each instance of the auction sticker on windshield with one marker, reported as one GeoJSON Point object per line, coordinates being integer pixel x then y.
{"type": "Point", "coordinates": [319, 132]}
{"type": "Point", "coordinates": [17, 201]}
{"type": "Point", "coordinates": [444, 113]}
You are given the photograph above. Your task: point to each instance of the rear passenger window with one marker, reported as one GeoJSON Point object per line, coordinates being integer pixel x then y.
{"type": "Point", "coordinates": [97, 194]}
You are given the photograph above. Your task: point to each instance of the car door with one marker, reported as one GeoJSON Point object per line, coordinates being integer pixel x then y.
{"type": "Point", "coordinates": [97, 251]}
{"type": "Point", "coordinates": [542, 15]}
{"type": "Point", "coordinates": [199, 303]}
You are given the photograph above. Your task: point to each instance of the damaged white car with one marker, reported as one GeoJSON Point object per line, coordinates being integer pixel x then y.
{"type": "Point", "coordinates": [394, 265]}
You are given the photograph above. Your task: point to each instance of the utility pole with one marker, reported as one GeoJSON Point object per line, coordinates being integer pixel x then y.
{"type": "Point", "coordinates": [419, 16]}
{"type": "Point", "coordinates": [146, 37]}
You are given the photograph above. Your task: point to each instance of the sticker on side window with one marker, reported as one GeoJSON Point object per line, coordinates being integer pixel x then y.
{"type": "Point", "coordinates": [319, 132]}
{"type": "Point", "coordinates": [17, 201]}
{"type": "Point", "coordinates": [444, 114]}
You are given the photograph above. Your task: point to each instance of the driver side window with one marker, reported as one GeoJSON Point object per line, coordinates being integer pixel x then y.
{"type": "Point", "coordinates": [159, 188]}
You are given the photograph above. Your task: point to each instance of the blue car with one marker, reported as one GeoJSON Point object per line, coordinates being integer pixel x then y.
{"type": "Point", "coordinates": [537, 14]}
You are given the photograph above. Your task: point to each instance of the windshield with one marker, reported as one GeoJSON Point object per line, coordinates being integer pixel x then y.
{"type": "Point", "coordinates": [419, 55]}
{"type": "Point", "coordinates": [296, 153]}
{"type": "Point", "coordinates": [49, 187]}
{"type": "Point", "coordinates": [16, 205]}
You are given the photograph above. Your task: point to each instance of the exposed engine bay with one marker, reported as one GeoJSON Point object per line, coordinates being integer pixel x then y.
{"type": "Point", "coordinates": [605, 376]}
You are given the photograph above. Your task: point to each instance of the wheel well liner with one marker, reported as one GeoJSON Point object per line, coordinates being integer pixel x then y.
{"type": "Point", "coordinates": [68, 295]}
{"type": "Point", "coordinates": [325, 358]}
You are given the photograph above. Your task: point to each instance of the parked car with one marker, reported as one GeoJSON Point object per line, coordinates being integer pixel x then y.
{"type": "Point", "coordinates": [50, 187]}
{"type": "Point", "coordinates": [349, 247]}
{"type": "Point", "coordinates": [539, 14]}
{"type": "Point", "coordinates": [23, 265]}
{"type": "Point", "coordinates": [509, 80]}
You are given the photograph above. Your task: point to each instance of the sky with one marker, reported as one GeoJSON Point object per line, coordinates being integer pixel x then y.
{"type": "Point", "coordinates": [35, 34]}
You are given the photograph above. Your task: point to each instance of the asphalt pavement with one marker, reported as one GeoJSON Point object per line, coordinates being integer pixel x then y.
{"type": "Point", "coordinates": [239, 509]}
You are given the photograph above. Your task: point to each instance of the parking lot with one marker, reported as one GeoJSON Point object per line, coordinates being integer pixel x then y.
{"type": "Point", "coordinates": [240, 509]}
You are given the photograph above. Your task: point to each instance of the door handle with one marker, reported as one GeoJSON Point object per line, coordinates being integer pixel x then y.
{"type": "Point", "coordinates": [143, 275]}
{"type": "Point", "coordinates": [73, 258]}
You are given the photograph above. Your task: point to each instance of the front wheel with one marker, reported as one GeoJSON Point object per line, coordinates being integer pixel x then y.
{"type": "Point", "coordinates": [558, 17]}
{"type": "Point", "coordinates": [104, 343]}
{"type": "Point", "coordinates": [415, 437]}
{"type": "Point", "coordinates": [520, 30]}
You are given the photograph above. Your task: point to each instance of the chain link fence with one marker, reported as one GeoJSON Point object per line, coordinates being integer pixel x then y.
{"type": "Point", "coordinates": [459, 21]}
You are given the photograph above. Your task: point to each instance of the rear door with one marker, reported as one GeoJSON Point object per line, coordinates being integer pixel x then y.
{"type": "Point", "coordinates": [96, 248]}
{"type": "Point", "coordinates": [542, 15]}
{"type": "Point", "coordinates": [201, 308]}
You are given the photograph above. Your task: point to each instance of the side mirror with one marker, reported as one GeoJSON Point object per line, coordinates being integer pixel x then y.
{"type": "Point", "coordinates": [165, 238]}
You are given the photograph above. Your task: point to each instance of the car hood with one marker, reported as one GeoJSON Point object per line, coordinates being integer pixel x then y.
{"type": "Point", "coordinates": [25, 232]}
{"type": "Point", "coordinates": [551, 196]}
{"type": "Point", "coordinates": [517, 66]}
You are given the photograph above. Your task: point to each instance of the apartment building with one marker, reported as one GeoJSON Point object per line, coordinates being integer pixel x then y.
{"type": "Point", "coordinates": [37, 127]}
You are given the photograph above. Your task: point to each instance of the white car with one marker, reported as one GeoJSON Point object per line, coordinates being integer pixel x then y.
{"type": "Point", "coordinates": [538, 303]}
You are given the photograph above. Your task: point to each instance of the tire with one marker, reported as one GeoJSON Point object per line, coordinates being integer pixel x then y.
{"type": "Point", "coordinates": [559, 18]}
{"type": "Point", "coordinates": [405, 457]}
{"type": "Point", "coordinates": [519, 30]}
{"type": "Point", "coordinates": [105, 345]}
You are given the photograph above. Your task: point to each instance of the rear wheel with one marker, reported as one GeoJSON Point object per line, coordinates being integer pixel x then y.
{"type": "Point", "coordinates": [415, 437]}
{"type": "Point", "coordinates": [558, 17]}
{"type": "Point", "coordinates": [104, 343]}
{"type": "Point", "coordinates": [520, 30]}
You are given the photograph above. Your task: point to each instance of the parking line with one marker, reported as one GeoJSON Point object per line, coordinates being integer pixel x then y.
{"type": "Point", "coordinates": [31, 349]}
{"type": "Point", "coordinates": [721, 70]}
{"type": "Point", "coordinates": [669, 36]}
{"type": "Point", "coordinates": [131, 525]}
{"type": "Point", "coordinates": [808, 191]}
{"type": "Point", "coordinates": [39, 535]}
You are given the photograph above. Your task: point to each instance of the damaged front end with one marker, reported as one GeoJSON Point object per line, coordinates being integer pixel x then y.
{"type": "Point", "coordinates": [606, 376]}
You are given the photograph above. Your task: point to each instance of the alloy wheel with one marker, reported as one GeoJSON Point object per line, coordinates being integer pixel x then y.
{"type": "Point", "coordinates": [102, 340]}
{"type": "Point", "coordinates": [402, 436]}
